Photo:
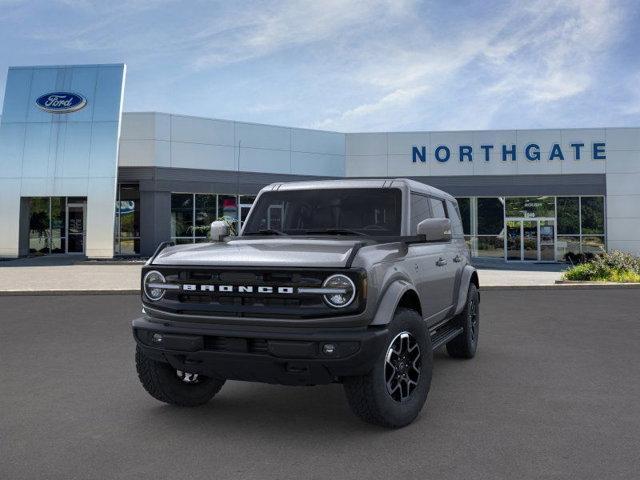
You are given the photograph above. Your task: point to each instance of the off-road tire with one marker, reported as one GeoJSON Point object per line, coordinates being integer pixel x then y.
{"type": "Point", "coordinates": [466, 344]}
{"type": "Point", "coordinates": [368, 396]}
{"type": "Point", "coordinates": [162, 383]}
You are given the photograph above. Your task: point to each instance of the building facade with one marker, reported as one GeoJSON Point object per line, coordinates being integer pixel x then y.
{"type": "Point", "coordinates": [525, 195]}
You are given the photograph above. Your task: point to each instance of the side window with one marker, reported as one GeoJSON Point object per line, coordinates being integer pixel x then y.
{"type": "Point", "coordinates": [420, 210]}
{"type": "Point", "coordinates": [437, 206]}
{"type": "Point", "coordinates": [456, 222]}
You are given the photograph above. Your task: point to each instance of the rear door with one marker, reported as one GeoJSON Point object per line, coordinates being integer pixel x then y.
{"type": "Point", "coordinates": [460, 251]}
{"type": "Point", "coordinates": [449, 255]}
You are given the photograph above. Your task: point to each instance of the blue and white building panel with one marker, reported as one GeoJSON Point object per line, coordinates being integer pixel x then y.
{"type": "Point", "coordinates": [51, 148]}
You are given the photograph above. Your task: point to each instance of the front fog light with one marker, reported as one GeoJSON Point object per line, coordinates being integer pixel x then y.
{"type": "Point", "coordinates": [153, 285]}
{"type": "Point", "coordinates": [342, 293]}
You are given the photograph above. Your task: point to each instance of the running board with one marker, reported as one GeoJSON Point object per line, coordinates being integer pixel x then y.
{"type": "Point", "coordinates": [444, 335]}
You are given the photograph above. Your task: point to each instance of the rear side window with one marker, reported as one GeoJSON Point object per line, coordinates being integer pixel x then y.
{"type": "Point", "coordinates": [456, 223]}
{"type": "Point", "coordinates": [420, 210]}
{"type": "Point", "coordinates": [437, 206]}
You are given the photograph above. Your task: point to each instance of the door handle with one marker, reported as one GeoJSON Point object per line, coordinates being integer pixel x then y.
{"type": "Point", "coordinates": [441, 262]}
{"type": "Point", "coordinates": [457, 259]}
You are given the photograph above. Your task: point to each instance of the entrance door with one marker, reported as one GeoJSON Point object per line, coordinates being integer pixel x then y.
{"type": "Point", "coordinates": [530, 239]}
{"type": "Point", "coordinates": [75, 227]}
{"type": "Point", "coordinates": [547, 240]}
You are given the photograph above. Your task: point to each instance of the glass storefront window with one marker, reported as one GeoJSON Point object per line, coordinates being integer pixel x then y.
{"type": "Point", "coordinates": [58, 217]}
{"type": "Point", "coordinates": [464, 205]}
{"type": "Point", "coordinates": [181, 215]}
{"type": "Point", "coordinates": [39, 225]}
{"type": "Point", "coordinates": [530, 207]}
{"type": "Point", "coordinates": [568, 215]}
{"type": "Point", "coordinates": [567, 244]}
{"type": "Point", "coordinates": [127, 227]}
{"type": "Point", "coordinates": [48, 229]}
{"type": "Point", "coordinates": [205, 214]}
{"type": "Point", "coordinates": [580, 223]}
{"type": "Point", "coordinates": [192, 214]}
{"type": "Point", "coordinates": [593, 244]}
{"type": "Point", "coordinates": [228, 211]}
{"type": "Point", "coordinates": [592, 213]}
{"type": "Point", "coordinates": [490, 216]}
{"type": "Point", "coordinates": [490, 246]}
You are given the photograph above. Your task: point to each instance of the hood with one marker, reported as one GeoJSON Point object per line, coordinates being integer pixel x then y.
{"type": "Point", "coordinates": [276, 252]}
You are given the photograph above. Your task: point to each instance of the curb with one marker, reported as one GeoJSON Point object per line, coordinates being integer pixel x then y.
{"type": "Point", "coordinates": [563, 286]}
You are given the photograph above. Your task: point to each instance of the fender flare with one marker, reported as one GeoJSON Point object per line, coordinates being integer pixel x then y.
{"type": "Point", "coordinates": [467, 274]}
{"type": "Point", "coordinates": [390, 300]}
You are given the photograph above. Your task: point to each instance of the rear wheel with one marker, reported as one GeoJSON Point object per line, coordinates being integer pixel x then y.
{"type": "Point", "coordinates": [395, 390]}
{"type": "Point", "coordinates": [173, 386]}
{"type": "Point", "coordinates": [466, 344]}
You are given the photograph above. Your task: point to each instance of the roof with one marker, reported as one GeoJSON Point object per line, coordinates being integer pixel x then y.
{"type": "Point", "coordinates": [412, 185]}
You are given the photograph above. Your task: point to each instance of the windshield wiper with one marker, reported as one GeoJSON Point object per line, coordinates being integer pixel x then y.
{"type": "Point", "coordinates": [335, 231]}
{"type": "Point", "coordinates": [266, 231]}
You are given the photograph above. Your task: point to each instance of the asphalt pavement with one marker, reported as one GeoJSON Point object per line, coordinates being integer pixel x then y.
{"type": "Point", "coordinates": [554, 392]}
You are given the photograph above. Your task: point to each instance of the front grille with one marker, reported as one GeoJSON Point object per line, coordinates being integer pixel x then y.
{"type": "Point", "coordinates": [251, 304]}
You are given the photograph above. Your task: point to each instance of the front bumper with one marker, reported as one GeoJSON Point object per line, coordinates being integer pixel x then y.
{"type": "Point", "coordinates": [262, 354]}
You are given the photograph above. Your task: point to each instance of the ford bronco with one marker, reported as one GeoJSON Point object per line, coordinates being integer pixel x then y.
{"type": "Point", "coordinates": [348, 281]}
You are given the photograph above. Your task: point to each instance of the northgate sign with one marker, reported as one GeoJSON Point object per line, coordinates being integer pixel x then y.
{"type": "Point", "coordinates": [531, 152]}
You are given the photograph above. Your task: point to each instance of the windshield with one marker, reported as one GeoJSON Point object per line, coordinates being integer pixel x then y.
{"type": "Point", "coordinates": [356, 211]}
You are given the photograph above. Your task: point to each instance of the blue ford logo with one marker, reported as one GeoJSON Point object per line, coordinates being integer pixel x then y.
{"type": "Point", "coordinates": [61, 102]}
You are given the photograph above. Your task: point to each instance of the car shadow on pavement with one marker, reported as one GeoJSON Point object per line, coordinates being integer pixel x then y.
{"type": "Point", "coordinates": [256, 408]}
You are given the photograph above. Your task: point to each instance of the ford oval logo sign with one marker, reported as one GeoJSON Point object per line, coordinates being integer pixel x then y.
{"type": "Point", "coordinates": [61, 102]}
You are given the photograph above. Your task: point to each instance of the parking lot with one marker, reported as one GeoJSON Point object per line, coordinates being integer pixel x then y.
{"type": "Point", "coordinates": [553, 393]}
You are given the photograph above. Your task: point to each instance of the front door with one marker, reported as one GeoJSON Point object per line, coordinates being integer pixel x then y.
{"type": "Point", "coordinates": [530, 240]}
{"type": "Point", "coordinates": [75, 227]}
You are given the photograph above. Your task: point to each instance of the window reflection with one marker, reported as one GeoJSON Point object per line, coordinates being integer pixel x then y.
{"type": "Point", "coordinates": [192, 214]}
{"type": "Point", "coordinates": [127, 226]}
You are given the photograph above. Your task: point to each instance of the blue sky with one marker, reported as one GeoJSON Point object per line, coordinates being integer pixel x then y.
{"type": "Point", "coordinates": [350, 65]}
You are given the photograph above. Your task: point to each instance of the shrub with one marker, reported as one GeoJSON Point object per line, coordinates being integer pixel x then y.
{"type": "Point", "coordinates": [615, 266]}
{"type": "Point", "coordinates": [617, 260]}
{"type": "Point", "coordinates": [578, 258]}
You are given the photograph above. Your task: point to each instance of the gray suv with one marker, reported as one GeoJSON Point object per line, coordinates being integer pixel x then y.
{"type": "Point", "coordinates": [348, 281]}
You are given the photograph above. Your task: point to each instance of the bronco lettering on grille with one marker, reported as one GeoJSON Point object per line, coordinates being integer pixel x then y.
{"type": "Point", "coordinates": [190, 287]}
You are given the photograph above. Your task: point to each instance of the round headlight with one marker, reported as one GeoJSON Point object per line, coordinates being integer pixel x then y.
{"type": "Point", "coordinates": [344, 291]}
{"type": "Point", "coordinates": [151, 289]}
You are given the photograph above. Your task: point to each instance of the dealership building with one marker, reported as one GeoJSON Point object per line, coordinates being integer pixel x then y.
{"type": "Point", "coordinates": [80, 176]}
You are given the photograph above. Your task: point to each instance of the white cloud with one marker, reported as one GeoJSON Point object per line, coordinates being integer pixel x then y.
{"type": "Point", "coordinates": [534, 55]}
{"type": "Point", "coordinates": [283, 25]}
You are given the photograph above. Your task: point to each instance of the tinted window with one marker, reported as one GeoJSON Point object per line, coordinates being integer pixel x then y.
{"type": "Point", "coordinates": [437, 206]}
{"type": "Point", "coordinates": [420, 210]}
{"type": "Point", "coordinates": [370, 211]}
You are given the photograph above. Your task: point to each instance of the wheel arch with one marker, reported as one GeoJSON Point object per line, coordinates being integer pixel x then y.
{"type": "Point", "coordinates": [469, 276]}
{"type": "Point", "coordinates": [399, 294]}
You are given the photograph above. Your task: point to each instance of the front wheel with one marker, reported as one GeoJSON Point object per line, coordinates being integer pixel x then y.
{"type": "Point", "coordinates": [172, 386]}
{"type": "Point", "coordinates": [395, 390]}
